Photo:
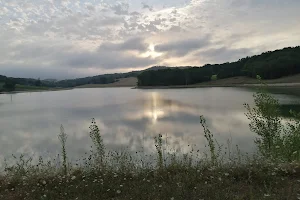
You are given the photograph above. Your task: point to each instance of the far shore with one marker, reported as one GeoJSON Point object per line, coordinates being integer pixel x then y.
{"type": "Point", "coordinates": [40, 90]}
{"type": "Point", "coordinates": [290, 85]}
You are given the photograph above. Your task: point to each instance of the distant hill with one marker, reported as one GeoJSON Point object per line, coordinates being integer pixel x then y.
{"type": "Point", "coordinates": [268, 65]}
{"type": "Point", "coordinates": [123, 82]}
{"type": "Point", "coordinates": [103, 79]}
{"type": "Point", "coordinates": [50, 80]}
{"type": "Point", "coordinates": [2, 78]}
{"type": "Point", "coordinates": [155, 68]}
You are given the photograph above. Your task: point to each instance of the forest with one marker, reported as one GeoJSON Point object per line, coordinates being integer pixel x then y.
{"type": "Point", "coordinates": [268, 65]}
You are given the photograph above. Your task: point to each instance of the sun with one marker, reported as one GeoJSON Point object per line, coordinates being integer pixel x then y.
{"type": "Point", "coordinates": [151, 52]}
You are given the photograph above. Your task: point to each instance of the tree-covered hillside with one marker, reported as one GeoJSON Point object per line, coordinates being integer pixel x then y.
{"type": "Point", "coordinates": [100, 79]}
{"type": "Point", "coordinates": [34, 83]}
{"type": "Point", "coordinates": [269, 65]}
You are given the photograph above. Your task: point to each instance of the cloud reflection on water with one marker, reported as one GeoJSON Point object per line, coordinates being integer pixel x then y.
{"type": "Point", "coordinates": [127, 119]}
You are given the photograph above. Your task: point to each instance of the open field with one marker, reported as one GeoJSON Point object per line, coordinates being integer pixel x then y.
{"type": "Point", "coordinates": [124, 82]}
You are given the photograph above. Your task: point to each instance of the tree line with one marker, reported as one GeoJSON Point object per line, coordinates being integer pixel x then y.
{"type": "Point", "coordinates": [10, 83]}
{"type": "Point", "coordinates": [268, 65]}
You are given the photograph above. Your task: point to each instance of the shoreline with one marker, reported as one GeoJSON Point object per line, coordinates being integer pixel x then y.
{"type": "Point", "coordinates": [272, 85]}
{"type": "Point", "coordinates": [249, 85]}
{"type": "Point", "coordinates": [25, 91]}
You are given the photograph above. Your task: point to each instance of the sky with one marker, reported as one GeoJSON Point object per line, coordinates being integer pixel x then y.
{"type": "Point", "coordinates": [77, 38]}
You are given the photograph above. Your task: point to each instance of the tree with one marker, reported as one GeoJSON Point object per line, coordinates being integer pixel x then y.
{"type": "Point", "coordinates": [9, 84]}
{"type": "Point", "coordinates": [38, 82]}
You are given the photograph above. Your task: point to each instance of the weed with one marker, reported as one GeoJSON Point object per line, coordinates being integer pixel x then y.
{"type": "Point", "coordinates": [63, 139]}
{"type": "Point", "coordinates": [97, 141]}
{"type": "Point", "coordinates": [159, 150]}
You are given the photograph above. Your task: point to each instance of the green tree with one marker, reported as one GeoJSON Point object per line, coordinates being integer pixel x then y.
{"type": "Point", "coordinates": [9, 84]}
{"type": "Point", "coordinates": [38, 83]}
{"type": "Point", "coordinates": [277, 140]}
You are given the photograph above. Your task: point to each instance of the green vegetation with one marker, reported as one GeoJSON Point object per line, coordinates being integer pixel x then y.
{"type": "Point", "coordinates": [27, 84]}
{"type": "Point", "coordinates": [100, 79]}
{"type": "Point", "coordinates": [272, 173]}
{"type": "Point", "coordinates": [214, 77]}
{"type": "Point", "coordinates": [29, 87]}
{"type": "Point", "coordinates": [9, 85]}
{"type": "Point", "coordinates": [268, 65]}
{"type": "Point", "coordinates": [276, 140]}
{"type": "Point", "coordinates": [1, 86]}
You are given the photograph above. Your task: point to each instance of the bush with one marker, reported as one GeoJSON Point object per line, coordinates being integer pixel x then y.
{"type": "Point", "coordinates": [277, 140]}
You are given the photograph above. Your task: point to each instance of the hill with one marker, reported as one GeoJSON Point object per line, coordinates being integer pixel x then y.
{"type": "Point", "coordinates": [123, 82]}
{"type": "Point", "coordinates": [268, 65]}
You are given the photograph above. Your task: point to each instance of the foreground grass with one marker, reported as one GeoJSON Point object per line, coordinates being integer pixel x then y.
{"type": "Point", "coordinates": [252, 181]}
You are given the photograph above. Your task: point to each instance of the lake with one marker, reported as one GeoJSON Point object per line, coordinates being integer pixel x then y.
{"type": "Point", "coordinates": [128, 119]}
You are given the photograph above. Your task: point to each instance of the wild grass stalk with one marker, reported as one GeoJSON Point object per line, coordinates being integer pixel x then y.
{"type": "Point", "coordinates": [159, 150]}
{"type": "Point", "coordinates": [63, 139]}
{"type": "Point", "coordinates": [97, 141]}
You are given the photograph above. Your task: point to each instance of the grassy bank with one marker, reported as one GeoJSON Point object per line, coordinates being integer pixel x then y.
{"type": "Point", "coordinates": [221, 173]}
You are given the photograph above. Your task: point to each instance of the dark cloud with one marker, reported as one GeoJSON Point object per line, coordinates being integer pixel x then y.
{"type": "Point", "coordinates": [121, 8]}
{"type": "Point", "coordinates": [105, 60]}
{"type": "Point", "coordinates": [146, 6]}
{"type": "Point", "coordinates": [224, 54]}
{"type": "Point", "coordinates": [183, 47]}
{"type": "Point", "coordinates": [136, 44]}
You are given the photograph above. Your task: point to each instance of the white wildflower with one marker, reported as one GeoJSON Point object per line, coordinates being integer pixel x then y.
{"type": "Point", "coordinates": [44, 182]}
{"type": "Point", "coordinates": [226, 174]}
{"type": "Point", "coordinates": [267, 195]}
{"type": "Point", "coordinates": [118, 191]}
{"type": "Point", "coordinates": [73, 178]}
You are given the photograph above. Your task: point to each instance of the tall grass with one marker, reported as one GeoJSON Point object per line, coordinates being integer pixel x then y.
{"type": "Point", "coordinates": [159, 150]}
{"type": "Point", "coordinates": [63, 139]}
{"type": "Point", "coordinates": [97, 141]}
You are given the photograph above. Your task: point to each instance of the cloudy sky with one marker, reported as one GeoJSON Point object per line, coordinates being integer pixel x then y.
{"type": "Point", "coordinates": [75, 38]}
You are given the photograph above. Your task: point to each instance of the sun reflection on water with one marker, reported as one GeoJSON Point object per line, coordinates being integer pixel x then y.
{"type": "Point", "coordinates": [153, 109]}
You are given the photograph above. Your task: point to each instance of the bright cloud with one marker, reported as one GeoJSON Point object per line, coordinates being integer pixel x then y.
{"type": "Point", "coordinates": [64, 38]}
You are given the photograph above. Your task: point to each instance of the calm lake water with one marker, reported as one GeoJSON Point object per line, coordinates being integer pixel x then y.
{"type": "Point", "coordinates": [127, 118]}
